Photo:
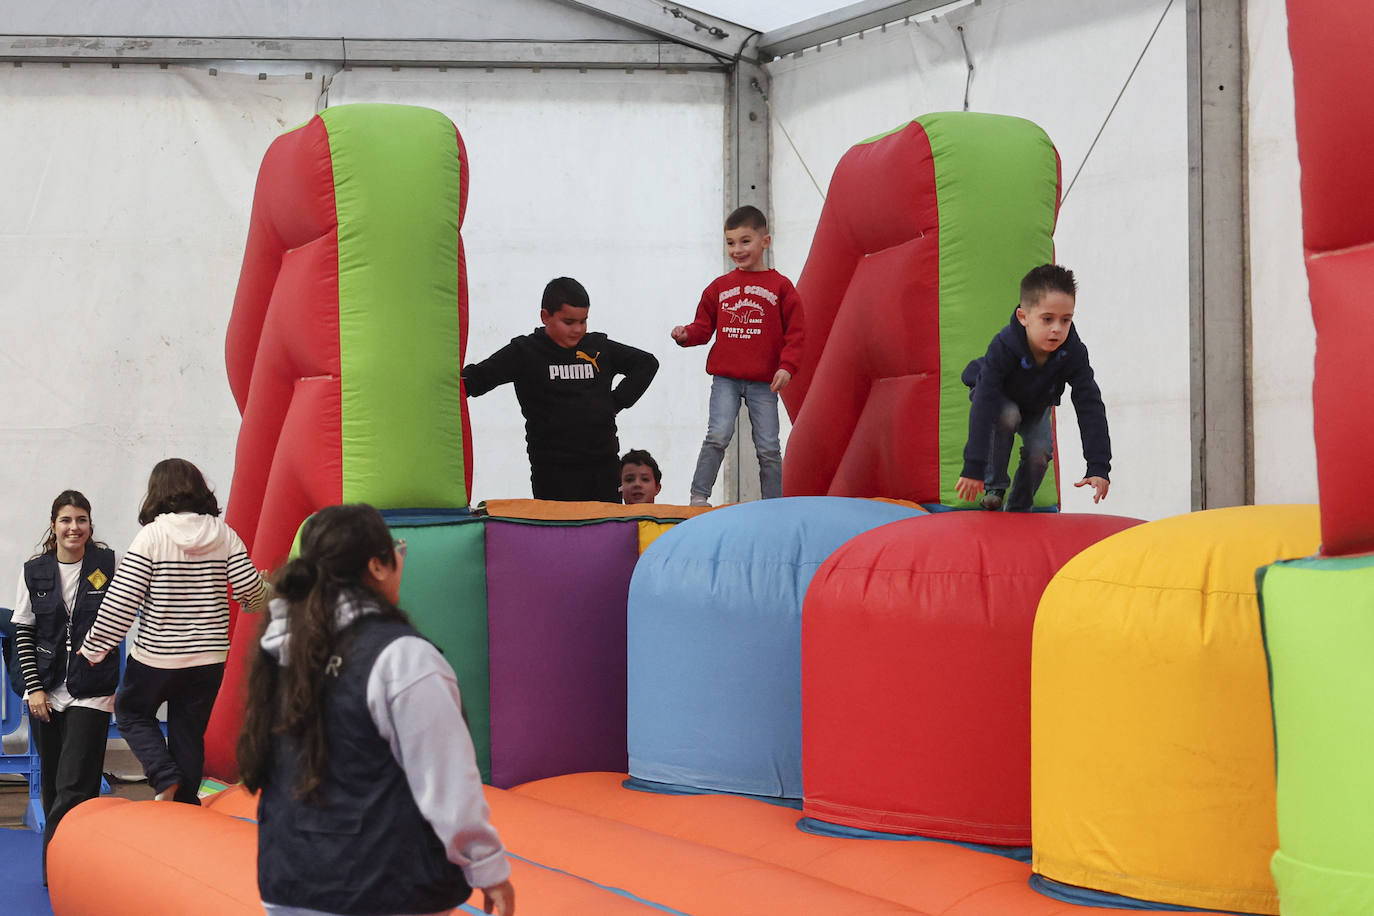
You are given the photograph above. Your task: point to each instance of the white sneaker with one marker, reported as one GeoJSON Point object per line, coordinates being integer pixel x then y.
{"type": "Point", "coordinates": [699, 502]}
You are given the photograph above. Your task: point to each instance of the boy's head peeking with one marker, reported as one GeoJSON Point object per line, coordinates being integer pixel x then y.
{"type": "Point", "coordinates": [1048, 293]}
{"type": "Point", "coordinates": [640, 478]}
{"type": "Point", "coordinates": [563, 310]}
{"type": "Point", "coordinates": [746, 238]}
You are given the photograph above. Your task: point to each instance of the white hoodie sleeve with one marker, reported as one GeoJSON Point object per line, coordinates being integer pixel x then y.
{"type": "Point", "coordinates": [412, 696]}
{"type": "Point", "coordinates": [124, 598]}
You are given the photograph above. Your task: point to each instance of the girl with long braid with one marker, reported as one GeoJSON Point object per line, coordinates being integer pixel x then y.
{"type": "Point", "coordinates": [371, 798]}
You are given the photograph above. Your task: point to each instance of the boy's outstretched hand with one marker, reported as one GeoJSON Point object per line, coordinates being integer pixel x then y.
{"type": "Point", "coordinates": [780, 380]}
{"type": "Point", "coordinates": [679, 334]}
{"type": "Point", "coordinates": [968, 488]}
{"type": "Point", "coordinates": [1099, 484]}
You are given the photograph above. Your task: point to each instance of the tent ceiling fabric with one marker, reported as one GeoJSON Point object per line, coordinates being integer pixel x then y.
{"type": "Point", "coordinates": [691, 27]}
{"type": "Point", "coordinates": [468, 20]}
{"type": "Point", "coordinates": [361, 52]}
{"type": "Point", "coordinates": [478, 20]}
{"type": "Point", "coordinates": [841, 23]}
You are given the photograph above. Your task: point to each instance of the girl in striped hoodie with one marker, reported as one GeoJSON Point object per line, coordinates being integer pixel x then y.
{"type": "Point", "coordinates": [175, 578]}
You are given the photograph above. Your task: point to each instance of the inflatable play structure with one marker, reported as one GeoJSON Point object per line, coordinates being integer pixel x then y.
{"type": "Point", "coordinates": [826, 703]}
{"type": "Point", "coordinates": [347, 337]}
{"type": "Point", "coordinates": [924, 231]}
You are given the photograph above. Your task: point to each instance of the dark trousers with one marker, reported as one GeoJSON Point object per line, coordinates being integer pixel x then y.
{"type": "Point", "coordinates": [1037, 451]}
{"type": "Point", "coordinates": [72, 748]}
{"type": "Point", "coordinates": [190, 696]}
{"type": "Point", "coordinates": [574, 482]}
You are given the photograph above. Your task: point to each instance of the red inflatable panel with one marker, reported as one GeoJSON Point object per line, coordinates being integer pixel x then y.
{"type": "Point", "coordinates": [1334, 88]}
{"type": "Point", "coordinates": [839, 281]}
{"type": "Point", "coordinates": [289, 281]}
{"type": "Point", "coordinates": [916, 657]}
{"type": "Point", "coordinates": [883, 377]}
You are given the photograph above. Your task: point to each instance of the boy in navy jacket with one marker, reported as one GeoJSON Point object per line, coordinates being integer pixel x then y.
{"type": "Point", "coordinates": [1015, 384]}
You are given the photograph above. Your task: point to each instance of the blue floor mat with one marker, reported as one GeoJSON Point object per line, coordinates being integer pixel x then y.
{"type": "Point", "coordinates": [21, 873]}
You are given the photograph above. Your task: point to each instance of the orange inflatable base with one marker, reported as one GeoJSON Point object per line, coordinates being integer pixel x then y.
{"type": "Point", "coordinates": [580, 844]}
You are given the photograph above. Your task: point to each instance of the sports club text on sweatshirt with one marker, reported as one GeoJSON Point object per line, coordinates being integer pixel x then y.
{"type": "Point", "coordinates": [756, 316]}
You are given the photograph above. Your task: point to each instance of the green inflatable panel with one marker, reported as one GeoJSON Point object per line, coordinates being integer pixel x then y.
{"type": "Point", "coordinates": [986, 167]}
{"type": "Point", "coordinates": [1318, 616]}
{"type": "Point", "coordinates": [398, 189]}
{"type": "Point", "coordinates": [444, 590]}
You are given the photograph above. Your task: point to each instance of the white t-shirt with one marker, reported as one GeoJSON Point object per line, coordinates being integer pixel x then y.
{"type": "Point", "coordinates": [59, 698]}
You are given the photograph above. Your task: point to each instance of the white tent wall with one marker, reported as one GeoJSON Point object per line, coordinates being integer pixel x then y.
{"type": "Point", "coordinates": [121, 235]}
{"type": "Point", "coordinates": [612, 178]}
{"type": "Point", "coordinates": [1124, 224]}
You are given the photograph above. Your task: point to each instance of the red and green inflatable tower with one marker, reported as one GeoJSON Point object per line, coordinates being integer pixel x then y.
{"type": "Point", "coordinates": [916, 264]}
{"type": "Point", "coordinates": [347, 338]}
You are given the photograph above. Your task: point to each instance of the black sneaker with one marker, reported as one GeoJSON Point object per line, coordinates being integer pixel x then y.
{"type": "Point", "coordinates": [992, 499]}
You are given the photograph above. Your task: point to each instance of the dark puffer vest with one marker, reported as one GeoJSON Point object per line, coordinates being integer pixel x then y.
{"type": "Point", "coordinates": [365, 848]}
{"type": "Point", "coordinates": [44, 583]}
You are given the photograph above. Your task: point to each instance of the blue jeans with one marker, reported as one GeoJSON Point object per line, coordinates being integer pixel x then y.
{"type": "Point", "coordinates": [726, 394]}
{"type": "Point", "coordinates": [1037, 449]}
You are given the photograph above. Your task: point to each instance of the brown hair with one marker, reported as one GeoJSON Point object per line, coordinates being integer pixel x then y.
{"type": "Point", "coordinates": [747, 216]}
{"type": "Point", "coordinates": [640, 456]}
{"type": "Point", "coordinates": [176, 485]}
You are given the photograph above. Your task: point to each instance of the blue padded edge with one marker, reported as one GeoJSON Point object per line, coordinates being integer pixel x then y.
{"type": "Point", "coordinates": [1083, 896]}
{"type": "Point", "coordinates": [821, 828]}
{"type": "Point", "coordinates": [936, 508]}
{"type": "Point", "coordinates": [605, 887]}
{"type": "Point", "coordinates": [412, 518]}
{"type": "Point", "coordinates": [672, 788]}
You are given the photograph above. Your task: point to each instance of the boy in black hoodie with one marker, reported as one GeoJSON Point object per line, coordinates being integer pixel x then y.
{"type": "Point", "coordinates": [562, 377]}
{"type": "Point", "coordinates": [1014, 386]}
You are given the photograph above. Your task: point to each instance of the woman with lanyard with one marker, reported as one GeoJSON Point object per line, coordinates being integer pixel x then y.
{"type": "Point", "coordinates": [69, 699]}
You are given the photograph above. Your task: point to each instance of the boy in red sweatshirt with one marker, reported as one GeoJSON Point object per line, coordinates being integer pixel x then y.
{"type": "Point", "coordinates": [756, 316]}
